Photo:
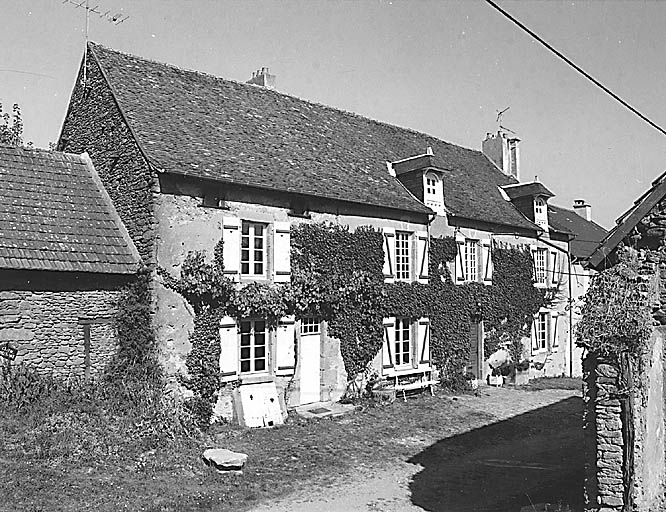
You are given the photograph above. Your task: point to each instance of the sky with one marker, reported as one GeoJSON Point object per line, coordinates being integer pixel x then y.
{"type": "Point", "coordinates": [440, 67]}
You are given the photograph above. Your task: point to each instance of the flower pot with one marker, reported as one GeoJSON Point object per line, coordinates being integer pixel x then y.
{"type": "Point", "coordinates": [522, 377]}
{"type": "Point", "coordinates": [496, 380]}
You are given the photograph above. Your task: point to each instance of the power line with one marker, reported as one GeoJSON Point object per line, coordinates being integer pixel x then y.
{"type": "Point", "coordinates": [576, 67]}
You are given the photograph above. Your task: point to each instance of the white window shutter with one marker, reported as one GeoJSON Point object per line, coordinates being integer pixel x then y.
{"type": "Point", "coordinates": [231, 235]}
{"type": "Point", "coordinates": [533, 250]}
{"type": "Point", "coordinates": [553, 329]}
{"type": "Point", "coordinates": [423, 341]}
{"type": "Point", "coordinates": [487, 262]}
{"type": "Point", "coordinates": [281, 252]}
{"type": "Point", "coordinates": [388, 346]}
{"type": "Point", "coordinates": [422, 261]}
{"type": "Point", "coordinates": [228, 349]}
{"type": "Point", "coordinates": [554, 268]}
{"type": "Point", "coordinates": [460, 270]}
{"type": "Point", "coordinates": [535, 338]}
{"type": "Point", "coordinates": [389, 254]}
{"type": "Point", "coordinates": [285, 357]}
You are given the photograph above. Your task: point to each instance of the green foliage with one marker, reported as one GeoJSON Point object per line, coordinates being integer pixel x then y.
{"type": "Point", "coordinates": [11, 126]}
{"type": "Point", "coordinates": [338, 275]}
{"type": "Point", "coordinates": [507, 306]}
{"type": "Point", "coordinates": [20, 386]}
{"type": "Point", "coordinates": [261, 300]}
{"type": "Point", "coordinates": [616, 315]}
{"type": "Point", "coordinates": [136, 357]}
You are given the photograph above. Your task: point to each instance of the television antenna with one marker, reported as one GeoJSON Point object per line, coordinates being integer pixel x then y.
{"type": "Point", "coordinates": [112, 16]}
{"type": "Point", "coordinates": [500, 113]}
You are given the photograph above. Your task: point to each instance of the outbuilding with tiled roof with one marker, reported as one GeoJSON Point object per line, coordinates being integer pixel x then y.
{"type": "Point", "coordinates": [64, 257]}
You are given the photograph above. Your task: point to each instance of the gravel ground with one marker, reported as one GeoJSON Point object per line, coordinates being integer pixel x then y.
{"type": "Point", "coordinates": [526, 450]}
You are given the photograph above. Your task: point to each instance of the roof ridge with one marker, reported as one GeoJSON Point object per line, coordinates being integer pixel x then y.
{"type": "Point", "coordinates": [265, 90]}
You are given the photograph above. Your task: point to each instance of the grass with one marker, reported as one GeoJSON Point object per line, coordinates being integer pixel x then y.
{"type": "Point", "coordinates": [130, 448]}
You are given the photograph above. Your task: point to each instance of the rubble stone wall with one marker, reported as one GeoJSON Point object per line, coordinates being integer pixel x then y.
{"type": "Point", "coordinates": [61, 332]}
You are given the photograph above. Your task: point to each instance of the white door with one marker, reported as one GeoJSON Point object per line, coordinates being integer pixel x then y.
{"type": "Point", "coordinates": [310, 360]}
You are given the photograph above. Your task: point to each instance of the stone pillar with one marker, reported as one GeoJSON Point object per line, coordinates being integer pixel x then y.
{"type": "Point", "coordinates": [604, 485]}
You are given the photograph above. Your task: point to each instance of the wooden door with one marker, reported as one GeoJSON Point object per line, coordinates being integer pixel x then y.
{"type": "Point", "coordinates": [309, 360]}
{"type": "Point", "coordinates": [475, 360]}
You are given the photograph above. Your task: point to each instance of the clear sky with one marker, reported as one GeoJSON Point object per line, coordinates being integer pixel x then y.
{"type": "Point", "coordinates": [441, 67]}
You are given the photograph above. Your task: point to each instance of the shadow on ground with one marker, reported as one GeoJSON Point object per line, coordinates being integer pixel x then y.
{"type": "Point", "coordinates": [495, 468]}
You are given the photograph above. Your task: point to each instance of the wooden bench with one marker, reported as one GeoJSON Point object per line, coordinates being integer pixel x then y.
{"type": "Point", "coordinates": [418, 380]}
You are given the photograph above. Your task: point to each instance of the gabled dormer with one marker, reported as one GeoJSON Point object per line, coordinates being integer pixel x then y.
{"type": "Point", "coordinates": [420, 176]}
{"type": "Point", "coordinates": [532, 201]}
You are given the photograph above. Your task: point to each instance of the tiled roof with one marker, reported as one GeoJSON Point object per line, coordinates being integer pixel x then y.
{"type": "Point", "coordinates": [588, 234]}
{"type": "Point", "coordinates": [533, 189]}
{"type": "Point", "coordinates": [628, 221]}
{"type": "Point", "coordinates": [55, 215]}
{"type": "Point", "coordinates": [195, 124]}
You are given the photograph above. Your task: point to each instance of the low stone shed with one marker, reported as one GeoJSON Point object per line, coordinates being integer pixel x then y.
{"type": "Point", "coordinates": [64, 258]}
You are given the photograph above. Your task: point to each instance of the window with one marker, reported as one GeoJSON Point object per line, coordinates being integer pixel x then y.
{"type": "Point", "coordinates": [402, 264]}
{"type": "Point", "coordinates": [403, 342]}
{"type": "Point", "coordinates": [470, 260]}
{"type": "Point", "coordinates": [540, 213]}
{"type": "Point", "coordinates": [431, 186]}
{"type": "Point", "coordinates": [540, 342]}
{"type": "Point", "coordinates": [540, 266]}
{"type": "Point", "coordinates": [253, 346]}
{"type": "Point", "coordinates": [253, 249]}
{"type": "Point", "coordinates": [310, 325]}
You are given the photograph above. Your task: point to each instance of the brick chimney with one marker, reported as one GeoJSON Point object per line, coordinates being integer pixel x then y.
{"type": "Point", "coordinates": [502, 149]}
{"type": "Point", "coordinates": [262, 77]}
{"type": "Point", "coordinates": [583, 209]}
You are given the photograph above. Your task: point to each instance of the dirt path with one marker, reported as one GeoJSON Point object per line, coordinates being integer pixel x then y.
{"type": "Point", "coordinates": [530, 452]}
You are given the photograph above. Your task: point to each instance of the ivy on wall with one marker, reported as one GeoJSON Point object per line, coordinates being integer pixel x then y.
{"type": "Point", "coordinates": [337, 275]}
{"type": "Point", "coordinates": [617, 313]}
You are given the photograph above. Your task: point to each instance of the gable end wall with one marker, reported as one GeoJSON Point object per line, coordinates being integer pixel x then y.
{"type": "Point", "coordinates": [94, 124]}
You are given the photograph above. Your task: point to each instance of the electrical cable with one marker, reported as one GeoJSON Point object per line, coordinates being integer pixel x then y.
{"type": "Point", "coordinates": [576, 67]}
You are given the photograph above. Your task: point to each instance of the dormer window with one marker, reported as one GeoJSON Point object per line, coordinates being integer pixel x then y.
{"type": "Point", "coordinates": [433, 195]}
{"type": "Point", "coordinates": [540, 213]}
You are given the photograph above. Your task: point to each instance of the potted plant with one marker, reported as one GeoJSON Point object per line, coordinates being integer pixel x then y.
{"type": "Point", "coordinates": [520, 366]}
{"type": "Point", "coordinates": [522, 373]}
{"type": "Point", "coordinates": [495, 378]}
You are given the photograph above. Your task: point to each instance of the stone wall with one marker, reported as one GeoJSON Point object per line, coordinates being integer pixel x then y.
{"type": "Point", "coordinates": [64, 332]}
{"type": "Point", "coordinates": [624, 431]}
{"type": "Point", "coordinates": [94, 124]}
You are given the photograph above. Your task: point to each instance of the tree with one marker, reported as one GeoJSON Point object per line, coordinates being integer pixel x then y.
{"type": "Point", "coordinates": [11, 126]}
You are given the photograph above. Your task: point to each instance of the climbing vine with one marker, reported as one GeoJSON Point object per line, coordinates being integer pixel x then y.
{"type": "Point", "coordinates": [617, 314]}
{"type": "Point", "coordinates": [337, 274]}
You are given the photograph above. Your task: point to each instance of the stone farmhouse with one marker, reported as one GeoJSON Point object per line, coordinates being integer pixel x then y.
{"type": "Point", "coordinates": [64, 255]}
{"type": "Point", "coordinates": [189, 159]}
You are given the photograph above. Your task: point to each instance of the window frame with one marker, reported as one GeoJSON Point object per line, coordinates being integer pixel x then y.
{"type": "Point", "coordinates": [310, 325]}
{"type": "Point", "coordinates": [542, 345]}
{"type": "Point", "coordinates": [541, 272]}
{"type": "Point", "coordinates": [402, 260]}
{"type": "Point", "coordinates": [402, 326]}
{"type": "Point", "coordinates": [471, 252]}
{"type": "Point", "coordinates": [251, 237]}
{"type": "Point", "coordinates": [253, 346]}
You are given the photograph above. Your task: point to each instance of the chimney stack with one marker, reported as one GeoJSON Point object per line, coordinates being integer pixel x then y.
{"type": "Point", "coordinates": [583, 209]}
{"type": "Point", "coordinates": [263, 78]}
{"type": "Point", "coordinates": [502, 149]}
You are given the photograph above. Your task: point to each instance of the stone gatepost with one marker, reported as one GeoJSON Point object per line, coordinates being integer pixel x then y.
{"type": "Point", "coordinates": [623, 423]}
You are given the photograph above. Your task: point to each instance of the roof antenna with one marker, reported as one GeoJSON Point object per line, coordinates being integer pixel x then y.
{"type": "Point", "coordinates": [115, 18]}
{"type": "Point", "coordinates": [500, 113]}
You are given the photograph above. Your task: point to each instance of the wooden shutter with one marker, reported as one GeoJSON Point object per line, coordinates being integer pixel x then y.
{"type": "Point", "coordinates": [231, 235]}
{"type": "Point", "coordinates": [388, 346]}
{"type": "Point", "coordinates": [423, 341]}
{"type": "Point", "coordinates": [285, 357]}
{"type": "Point", "coordinates": [389, 254]}
{"type": "Point", "coordinates": [422, 261]}
{"type": "Point", "coordinates": [554, 268]}
{"type": "Point", "coordinates": [533, 250]}
{"type": "Point", "coordinates": [281, 252]}
{"type": "Point", "coordinates": [554, 342]}
{"type": "Point", "coordinates": [460, 269]}
{"type": "Point", "coordinates": [228, 349]}
{"type": "Point", "coordinates": [535, 338]}
{"type": "Point", "coordinates": [487, 262]}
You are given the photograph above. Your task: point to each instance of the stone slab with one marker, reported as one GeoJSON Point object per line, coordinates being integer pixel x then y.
{"type": "Point", "coordinates": [224, 460]}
